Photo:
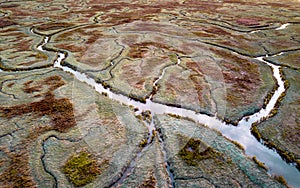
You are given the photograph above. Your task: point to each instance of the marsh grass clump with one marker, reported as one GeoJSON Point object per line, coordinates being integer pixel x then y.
{"type": "Point", "coordinates": [138, 51]}
{"type": "Point", "coordinates": [150, 182]}
{"type": "Point", "coordinates": [195, 150]}
{"type": "Point", "coordinates": [255, 131]}
{"type": "Point", "coordinates": [173, 58]}
{"type": "Point", "coordinates": [281, 180]}
{"type": "Point", "coordinates": [39, 55]}
{"type": "Point", "coordinates": [174, 116]}
{"type": "Point", "coordinates": [260, 164]}
{"type": "Point", "coordinates": [81, 169]}
{"type": "Point", "coordinates": [240, 146]}
{"type": "Point", "coordinates": [143, 143]}
{"type": "Point", "coordinates": [146, 116]}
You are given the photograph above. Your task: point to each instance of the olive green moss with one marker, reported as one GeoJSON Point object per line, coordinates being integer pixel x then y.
{"type": "Point", "coordinates": [81, 169]}
{"type": "Point", "coordinates": [173, 58]}
{"type": "Point", "coordinates": [191, 153]}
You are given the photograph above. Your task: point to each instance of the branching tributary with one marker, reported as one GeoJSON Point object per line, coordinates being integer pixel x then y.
{"type": "Point", "coordinates": [240, 133]}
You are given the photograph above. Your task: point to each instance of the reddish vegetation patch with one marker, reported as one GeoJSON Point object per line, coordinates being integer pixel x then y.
{"type": "Point", "coordinates": [139, 49]}
{"type": "Point", "coordinates": [9, 5]}
{"type": "Point", "coordinates": [141, 11]}
{"type": "Point", "coordinates": [10, 85]}
{"type": "Point", "coordinates": [242, 75]}
{"type": "Point", "coordinates": [107, 5]}
{"type": "Point", "coordinates": [193, 66]}
{"type": "Point", "coordinates": [123, 18]}
{"type": "Point", "coordinates": [197, 80]}
{"type": "Point", "coordinates": [202, 34]}
{"type": "Point", "coordinates": [72, 48]}
{"type": "Point", "coordinates": [30, 63]}
{"type": "Point", "coordinates": [216, 30]}
{"type": "Point", "coordinates": [61, 113]}
{"type": "Point", "coordinates": [59, 110]}
{"type": "Point", "coordinates": [197, 85]}
{"type": "Point", "coordinates": [136, 79]}
{"type": "Point", "coordinates": [5, 23]}
{"type": "Point", "coordinates": [24, 45]}
{"type": "Point", "coordinates": [66, 40]}
{"type": "Point", "coordinates": [203, 6]}
{"type": "Point", "coordinates": [92, 38]}
{"type": "Point", "coordinates": [18, 172]}
{"type": "Point", "coordinates": [30, 89]}
{"type": "Point", "coordinates": [53, 26]}
{"type": "Point", "coordinates": [247, 22]}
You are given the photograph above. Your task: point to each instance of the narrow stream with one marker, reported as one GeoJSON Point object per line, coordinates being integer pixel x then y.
{"type": "Point", "coordinates": [45, 41]}
{"type": "Point", "coordinates": [155, 86]}
{"type": "Point", "coordinates": [240, 133]}
{"type": "Point", "coordinates": [150, 139]}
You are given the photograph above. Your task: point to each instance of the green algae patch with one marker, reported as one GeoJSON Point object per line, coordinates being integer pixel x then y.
{"type": "Point", "coordinates": [81, 169]}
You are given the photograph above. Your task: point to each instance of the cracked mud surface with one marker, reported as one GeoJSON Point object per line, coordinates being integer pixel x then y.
{"type": "Point", "coordinates": [198, 56]}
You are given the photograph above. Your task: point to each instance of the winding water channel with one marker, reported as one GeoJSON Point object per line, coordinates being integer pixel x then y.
{"type": "Point", "coordinates": [240, 133]}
